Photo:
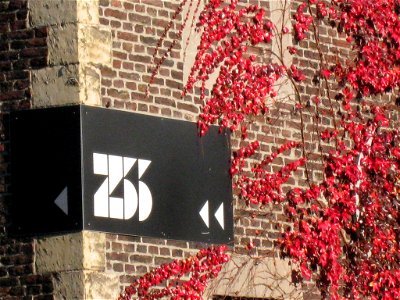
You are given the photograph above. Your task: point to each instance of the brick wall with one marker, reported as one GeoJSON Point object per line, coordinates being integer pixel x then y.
{"type": "Point", "coordinates": [22, 49]}
{"type": "Point", "coordinates": [136, 27]}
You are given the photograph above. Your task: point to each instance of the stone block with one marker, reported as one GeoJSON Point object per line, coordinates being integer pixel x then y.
{"type": "Point", "coordinates": [44, 12]}
{"type": "Point", "coordinates": [94, 246]}
{"type": "Point", "coordinates": [58, 85]}
{"type": "Point", "coordinates": [94, 45]}
{"type": "Point", "coordinates": [69, 285]}
{"type": "Point", "coordinates": [59, 253]}
{"type": "Point", "coordinates": [100, 285]}
{"type": "Point", "coordinates": [245, 276]}
{"type": "Point", "coordinates": [90, 90]}
{"type": "Point", "coordinates": [63, 44]}
{"type": "Point", "coordinates": [88, 11]}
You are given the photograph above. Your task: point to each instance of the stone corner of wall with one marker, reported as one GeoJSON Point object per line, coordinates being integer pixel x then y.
{"type": "Point", "coordinates": [51, 255]}
{"type": "Point", "coordinates": [100, 285]}
{"type": "Point", "coordinates": [78, 46]}
{"type": "Point", "coordinates": [94, 251]}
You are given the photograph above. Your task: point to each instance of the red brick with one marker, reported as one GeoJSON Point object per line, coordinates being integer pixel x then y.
{"type": "Point", "coordinates": [108, 72]}
{"type": "Point", "coordinates": [188, 107]}
{"type": "Point", "coordinates": [127, 36]}
{"type": "Point", "coordinates": [154, 110]}
{"type": "Point", "coordinates": [115, 24]}
{"type": "Point", "coordinates": [142, 107]}
{"type": "Point", "coordinates": [129, 75]}
{"type": "Point", "coordinates": [34, 52]}
{"type": "Point", "coordinates": [12, 95]}
{"type": "Point", "coordinates": [157, 3]}
{"type": "Point", "coordinates": [116, 3]}
{"type": "Point", "coordinates": [118, 267]}
{"type": "Point", "coordinates": [115, 14]}
{"type": "Point", "coordinates": [140, 259]}
{"type": "Point", "coordinates": [165, 101]}
{"type": "Point", "coordinates": [104, 3]}
{"type": "Point", "coordinates": [139, 18]}
{"type": "Point", "coordinates": [128, 6]}
{"type": "Point", "coordinates": [18, 25]}
{"type": "Point", "coordinates": [124, 257]}
{"type": "Point", "coordinates": [130, 269]}
{"type": "Point", "coordinates": [131, 86]}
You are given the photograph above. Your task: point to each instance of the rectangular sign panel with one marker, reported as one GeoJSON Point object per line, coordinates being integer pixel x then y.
{"type": "Point", "coordinates": [45, 153]}
{"type": "Point", "coordinates": [120, 172]}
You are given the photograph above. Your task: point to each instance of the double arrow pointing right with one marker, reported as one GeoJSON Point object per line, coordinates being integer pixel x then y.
{"type": "Point", "coordinates": [219, 214]}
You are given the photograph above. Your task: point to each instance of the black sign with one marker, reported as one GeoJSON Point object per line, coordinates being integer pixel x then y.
{"type": "Point", "coordinates": [81, 167]}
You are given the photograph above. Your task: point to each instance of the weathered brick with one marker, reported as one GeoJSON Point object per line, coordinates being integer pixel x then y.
{"type": "Point", "coordinates": [140, 259]}
{"type": "Point", "coordinates": [109, 12]}
{"type": "Point", "coordinates": [4, 47]}
{"type": "Point", "coordinates": [108, 72]}
{"type": "Point", "coordinates": [143, 107]}
{"type": "Point", "coordinates": [17, 4]}
{"type": "Point", "coordinates": [153, 250]}
{"type": "Point", "coordinates": [139, 18]}
{"type": "Point", "coordinates": [37, 63]}
{"type": "Point", "coordinates": [4, 291]}
{"type": "Point", "coordinates": [165, 101]}
{"type": "Point", "coordinates": [118, 256]}
{"type": "Point", "coordinates": [153, 2]}
{"type": "Point", "coordinates": [128, 6]}
{"type": "Point", "coordinates": [5, 66]}
{"type": "Point", "coordinates": [8, 282]}
{"type": "Point", "coordinates": [174, 84]}
{"type": "Point", "coordinates": [8, 17]}
{"type": "Point", "coordinates": [34, 52]}
{"type": "Point", "coordinates": [161, 260]}
{"type": "Point", "coordinates": [188, 107]}
{"type": "Point", "coordinates": [129, 268]}
{"type": "Point", "coordinates": [128, 238]}
{"type": "Point", "coordinates": [116, 246]}
{"type": "Point", "coordinates": [129, 75]}
{"type": "Point", "coordinates": [104, 3]}
{"type": "Point", "coordinates": [140, 58]}
{"type": "Point", "coordinates": [129, 248]}
{"type": "Point", "coordinates": [127, 36]}
{"type": "Point", "coordinates": [17, 291]}
{"type": "Point", "coordinates": [20, 270]}
{"type": "Point", "coordinates": [118, 267]}
{"type": "Point", "coordinates": [147, 40]}
{"type": "Point", "coordinates": [115, 24]}
{"type": "Point", "coordinates": [179, 244]}
{"type": "Point", "coordinates": [23, 74]}
{"type": "Point", "coordinates": [165, 251]}
{"type": "Point", "coordinates": [18, 25]}
{"type": "Point", "coordinates": [10, 96]}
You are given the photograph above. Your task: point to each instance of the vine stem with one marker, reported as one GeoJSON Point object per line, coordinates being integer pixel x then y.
{"type": "Point", "coordinates": [322, 65]}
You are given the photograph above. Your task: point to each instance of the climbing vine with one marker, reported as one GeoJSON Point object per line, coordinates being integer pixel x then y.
{"type": "Point", "coordinates": [345, 228]}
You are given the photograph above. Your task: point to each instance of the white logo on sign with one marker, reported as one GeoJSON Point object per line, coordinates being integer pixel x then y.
{"type": "Point", "coordinates": [116, 168]}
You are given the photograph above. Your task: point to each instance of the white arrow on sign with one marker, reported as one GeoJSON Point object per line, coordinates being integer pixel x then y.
{"type": "Point", "coordinates": [204, 214]}
{"type": "Point", "coordinates": [219, 214]}
{"type": "Point", "coordinates": [62, 200]}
